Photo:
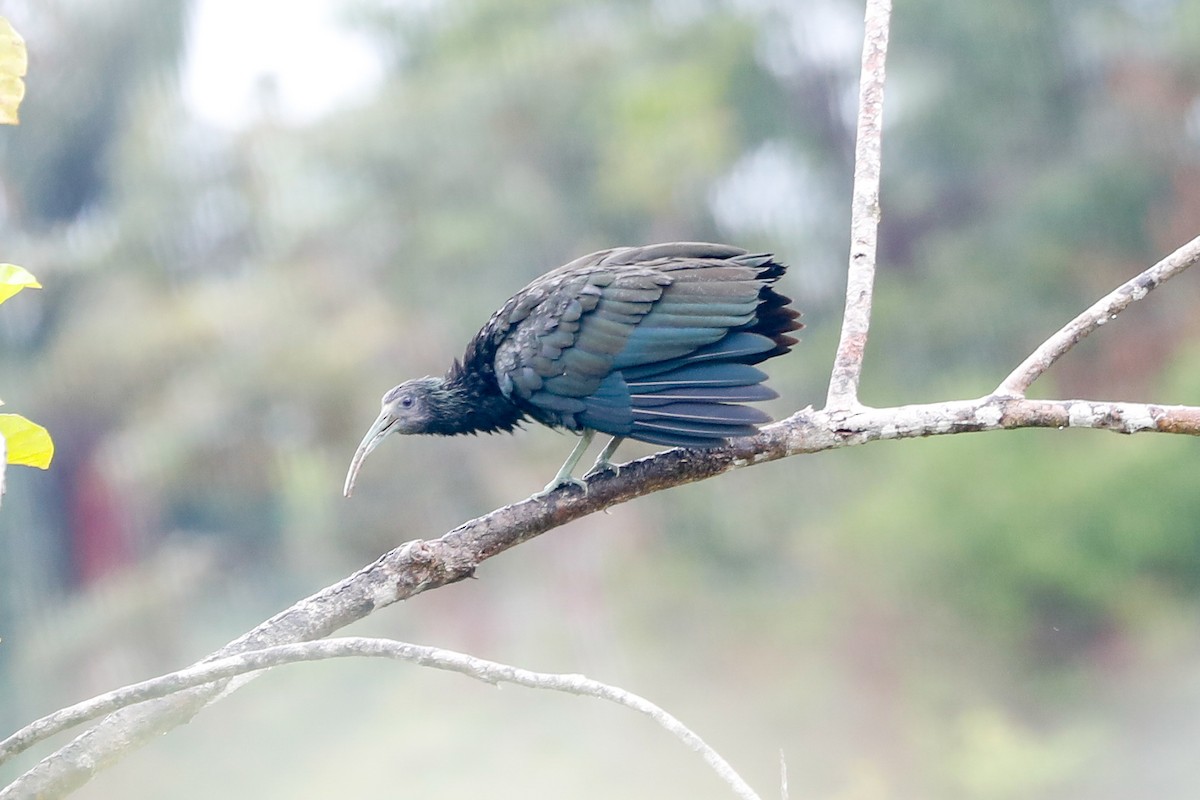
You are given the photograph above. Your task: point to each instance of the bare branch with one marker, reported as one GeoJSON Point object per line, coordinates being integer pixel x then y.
{"type": "Point", "coordinates": [864, 219]}
{"type": "Point", "coordinates": [347, 647]}
{"type": "Point", "coordinates": [421, 565]}
{"type": "Point", "coordinates": [1104, 310]}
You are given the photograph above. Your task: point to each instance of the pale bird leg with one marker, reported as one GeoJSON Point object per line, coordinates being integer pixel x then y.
{"type": "Point", "coordinates": [603, 464]}
{"type": "Point", "coordinates": [563, 478]}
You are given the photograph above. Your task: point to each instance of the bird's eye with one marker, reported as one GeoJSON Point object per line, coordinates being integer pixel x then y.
{"type": "Point", "coordinates": [406, 401]}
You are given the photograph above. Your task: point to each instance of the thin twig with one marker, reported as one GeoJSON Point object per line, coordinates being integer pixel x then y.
{"type": "Point", "coordinates": [348, 647]}
{"type": "Point", "coordinates": [865, 210]}
{"type": "Point", "coordinates": [1102, 311]}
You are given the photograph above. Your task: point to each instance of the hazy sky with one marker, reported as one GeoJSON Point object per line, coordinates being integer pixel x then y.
{"type": "Point", "coordinates": [234, 46]}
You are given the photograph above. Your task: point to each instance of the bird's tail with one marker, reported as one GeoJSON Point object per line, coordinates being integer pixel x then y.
{"type": "Point", "coordinates": [775, 318]}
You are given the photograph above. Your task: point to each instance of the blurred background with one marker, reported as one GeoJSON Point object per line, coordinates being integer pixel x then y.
{"type": "Point", "coordinates": [252, 219]}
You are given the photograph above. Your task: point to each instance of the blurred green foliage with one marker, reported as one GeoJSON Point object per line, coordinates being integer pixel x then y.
{"type": "Point", "coordinates": [938, 618]}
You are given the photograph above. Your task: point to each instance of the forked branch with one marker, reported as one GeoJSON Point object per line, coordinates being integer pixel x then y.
{"type": "Point", "coordinates": [421, 565]}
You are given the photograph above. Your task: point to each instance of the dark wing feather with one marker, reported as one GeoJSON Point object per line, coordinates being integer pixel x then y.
{"type": "Point", "coordinates": [549, 362]}
{"type": "Point", "coordinates": [654, 343]}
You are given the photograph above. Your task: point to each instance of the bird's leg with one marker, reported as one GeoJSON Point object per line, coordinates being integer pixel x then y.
{"type": "Point", "coordinates": [563, 478]}
{"type": "Point", "coordinates": [603, 464]}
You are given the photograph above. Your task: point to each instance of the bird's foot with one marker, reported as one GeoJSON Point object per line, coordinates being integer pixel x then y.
{"type": "Point", "coordinates": [559, 483]}
{"type": "Point", "coordinates": [605, 467]}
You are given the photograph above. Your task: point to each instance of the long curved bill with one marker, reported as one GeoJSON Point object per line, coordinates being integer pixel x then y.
{"type": "Point", "coordinates": [380, 428]}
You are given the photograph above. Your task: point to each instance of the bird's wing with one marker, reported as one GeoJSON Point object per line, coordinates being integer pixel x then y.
{"type": "Point", "coordinates": [570, 338]}
{"type": "Point", "coordinates": [686, 367]}
{"type": "Point", "coordinates": [564, 332]}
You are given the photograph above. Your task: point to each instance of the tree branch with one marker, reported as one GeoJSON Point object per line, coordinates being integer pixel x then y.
{"type": "Point", "coordinates": [864, 221]}
{"type": "Point", "coordinates": [477, 668]}
{"type": "Point", "coordinates": [421, 565]}
{"type": "Point", "coordinates": [1102, 311]}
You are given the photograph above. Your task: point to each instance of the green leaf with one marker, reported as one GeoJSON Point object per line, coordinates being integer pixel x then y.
{"type": "Point", "coordinates": [13, 279]}
{"type": "Point", "coordinates": [13, 62]}
{"type": "Point", "coordinates": [28, 443]}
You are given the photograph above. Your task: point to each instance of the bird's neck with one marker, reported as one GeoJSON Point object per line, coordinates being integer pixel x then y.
{"type": "Point", "coordinates": [468, 402]}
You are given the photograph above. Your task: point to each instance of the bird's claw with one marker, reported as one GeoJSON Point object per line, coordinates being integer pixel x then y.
{"type": "Point", "coordinates": [602, 468]}
{"type": "Point", "coordinates": [559, 483]}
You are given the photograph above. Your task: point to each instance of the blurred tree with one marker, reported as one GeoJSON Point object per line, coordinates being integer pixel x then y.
{"type": "Point", "coordinates": [262, 286]}
{"type": "Point", "coordinates": [1039, 149]}
{"type": "Point", "coordinates": [91, 61]}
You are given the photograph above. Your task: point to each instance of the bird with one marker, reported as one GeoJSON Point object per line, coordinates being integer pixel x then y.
{"type": "Point", "coordinates": [656, 343]}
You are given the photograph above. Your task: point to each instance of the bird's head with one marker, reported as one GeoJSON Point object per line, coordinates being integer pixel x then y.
{"type": "Point", "coordinates": [406, 408]}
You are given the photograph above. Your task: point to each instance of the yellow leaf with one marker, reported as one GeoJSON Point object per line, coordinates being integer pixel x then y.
{"type": "Point", "coordinates": [13, 63]}
{"type": "Point", "coordinates": [28, 443]}
{"type": "Point", "coordinates": [13, 279]}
